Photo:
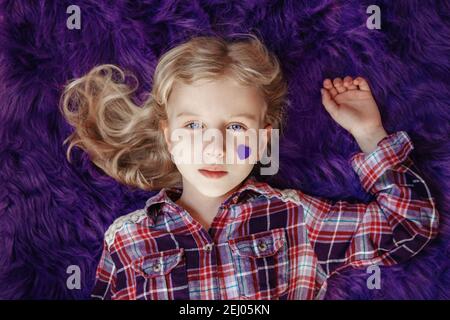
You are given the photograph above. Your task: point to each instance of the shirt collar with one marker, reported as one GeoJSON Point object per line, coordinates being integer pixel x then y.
{"type": "Point", "coordinates": [244, 192]}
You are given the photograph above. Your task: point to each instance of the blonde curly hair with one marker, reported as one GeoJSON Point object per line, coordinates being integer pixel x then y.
{"type": "Point", "coordinates": [125, 140]}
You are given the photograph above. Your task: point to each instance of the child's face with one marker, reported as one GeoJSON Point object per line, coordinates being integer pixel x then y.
{"type": "Point", "coordinates": [233, 112]}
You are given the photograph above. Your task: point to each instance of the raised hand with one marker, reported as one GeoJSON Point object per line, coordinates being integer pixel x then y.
{"type": "Point", "coordinates": [351, 104]}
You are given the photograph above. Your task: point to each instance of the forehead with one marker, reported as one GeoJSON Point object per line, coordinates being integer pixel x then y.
{"type": "Point", "coordinates": [224, 96]}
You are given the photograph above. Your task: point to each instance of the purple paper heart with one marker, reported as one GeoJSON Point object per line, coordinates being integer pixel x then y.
{"type": "Point", "coordinates": [243, 151]}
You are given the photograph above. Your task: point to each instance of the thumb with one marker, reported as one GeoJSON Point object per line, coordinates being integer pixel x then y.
{"type": "Point", "coordinates": [329, 103]}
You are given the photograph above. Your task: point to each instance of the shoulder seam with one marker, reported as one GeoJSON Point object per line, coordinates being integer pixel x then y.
{"type": "Point", "coordinates": [118, 224]}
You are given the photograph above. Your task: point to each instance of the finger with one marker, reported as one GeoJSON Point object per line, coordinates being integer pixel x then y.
{"type": "Point", "coordinates": [327, 84]}
{"type": "Point", "coordinates": [337, 82]}
{"type": "Point", "coordinates": [362, 83]}
{"type": "Point", "coordinates": [333, 92]}
{"type": "Point", "coordinates": [328, 102]}
{"type": "Point", "coordinates": [348, 83]}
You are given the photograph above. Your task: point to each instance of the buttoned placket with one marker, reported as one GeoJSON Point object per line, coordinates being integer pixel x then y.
{"type": "Point", "coordinates": [208, 247]}
{"type": "Point", "coordinates": [210, 234]}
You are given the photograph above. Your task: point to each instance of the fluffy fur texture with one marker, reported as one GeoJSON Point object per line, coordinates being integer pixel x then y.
{"type": "Point", "coordinates": [53, 214]}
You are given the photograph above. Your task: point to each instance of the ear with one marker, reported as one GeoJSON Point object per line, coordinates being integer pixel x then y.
{"type": "Point", "coordinates": [264, 140]}
{"type": "Point", "coordinates": [164, 126]}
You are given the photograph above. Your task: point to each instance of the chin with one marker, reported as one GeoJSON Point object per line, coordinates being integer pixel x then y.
{"type": "Point", "coordinates": [214, 192]}
{"type": "Point", "coordinates": [215, 189]}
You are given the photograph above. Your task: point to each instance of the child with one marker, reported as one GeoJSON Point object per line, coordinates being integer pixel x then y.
{"type": "Point", "coordinates": [214, 231]}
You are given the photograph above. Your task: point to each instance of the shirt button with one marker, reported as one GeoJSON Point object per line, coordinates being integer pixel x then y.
{"type": "Point", "coordinates": [262, 246]}
{"type": "Point", "coordinates": [157, 267]}
{"type": "Point", "coordinates": [208, 247]}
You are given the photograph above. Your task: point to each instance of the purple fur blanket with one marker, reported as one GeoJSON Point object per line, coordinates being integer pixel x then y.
{"type": "Point", "coordinates": [53, 214]}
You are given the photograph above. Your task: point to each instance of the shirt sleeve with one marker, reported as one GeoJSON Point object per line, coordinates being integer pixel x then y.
{"type": "Point", "coordinates": [400, 221]}
{"type": "Point", "coordinates": [105, 277]}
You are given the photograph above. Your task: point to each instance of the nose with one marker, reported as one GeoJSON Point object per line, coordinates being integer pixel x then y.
{"type": "Point", "coordinates": [214, 150]}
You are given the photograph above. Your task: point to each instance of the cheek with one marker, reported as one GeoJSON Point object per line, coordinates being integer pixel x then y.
{"type": "Point", "coordinates": [185, 150]}
{"type": "Point", "coordinates": [181, 154]}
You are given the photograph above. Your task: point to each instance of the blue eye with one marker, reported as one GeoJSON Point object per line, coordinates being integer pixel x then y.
{"type": "Point", "coordinates": [194, 125]}
{"type": "Point", "coordinates": [236, 127]}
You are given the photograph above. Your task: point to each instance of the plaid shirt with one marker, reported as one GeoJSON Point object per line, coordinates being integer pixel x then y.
{"type": "Point", "coordinates": [267, 243]}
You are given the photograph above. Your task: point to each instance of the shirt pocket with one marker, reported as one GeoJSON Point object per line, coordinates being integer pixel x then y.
{"type": "Point", "coordinates": [161, 276]}
{"type": "Point", "coordinates": [261, 264]}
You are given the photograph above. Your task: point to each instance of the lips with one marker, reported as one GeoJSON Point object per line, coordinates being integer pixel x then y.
{"type": "Point", "coordinates": [211, 173]}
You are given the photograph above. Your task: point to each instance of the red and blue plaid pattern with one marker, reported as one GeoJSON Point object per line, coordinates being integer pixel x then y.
{"type": "Point", "coordinates": [267, 243]}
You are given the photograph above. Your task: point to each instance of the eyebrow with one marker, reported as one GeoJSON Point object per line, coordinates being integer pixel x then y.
{"type": "Point", "coordinates": [239, 115]}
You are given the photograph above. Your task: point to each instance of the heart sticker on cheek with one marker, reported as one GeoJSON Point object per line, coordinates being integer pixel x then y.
{"type": "Point", "coordinates": [243, 151]}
